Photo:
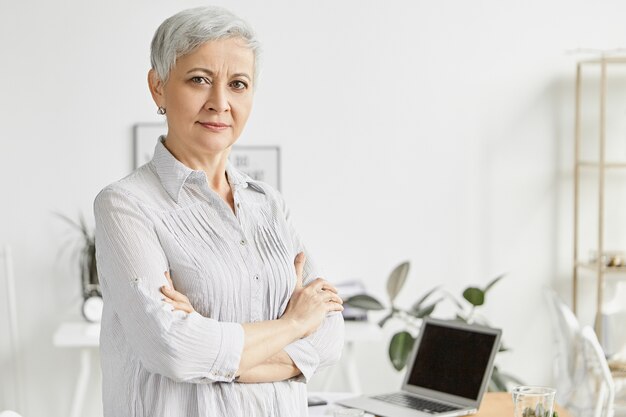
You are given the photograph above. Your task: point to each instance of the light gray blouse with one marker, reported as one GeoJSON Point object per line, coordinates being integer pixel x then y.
{"type": "Point", "coordinates": [234, 267]}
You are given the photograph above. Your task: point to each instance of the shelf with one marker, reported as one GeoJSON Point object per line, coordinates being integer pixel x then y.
{"type": "Point", "coordinates": [592, 266]}
{"type": "Point", "coordinates": [606, 59]}
{"type": "Point", "coordinates": [603, 163]}
{"type": "Point", "coordinates": [590, 164]}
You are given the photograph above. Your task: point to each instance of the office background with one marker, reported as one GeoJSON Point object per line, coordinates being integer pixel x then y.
{"type": "Point", "coordinates": [435, 132]}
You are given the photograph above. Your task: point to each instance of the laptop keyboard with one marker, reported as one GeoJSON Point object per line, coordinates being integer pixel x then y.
{"type": "Point", "coordinates": [415, 403]}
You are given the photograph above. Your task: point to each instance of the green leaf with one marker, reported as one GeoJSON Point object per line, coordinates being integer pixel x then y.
{"type": "Point", "coordinates": [418, 303]}
{"type": "Point", "coordinates": [426, 311]}
{"type": "Point", "coordinates": [396, 280]}
{"type": "Point", "coordinates": [475, 296]}
{"type": "Point", "coordinates": [365, 302]}
{"type": "Point", "coordinates": [399, 348]}
{"type": "Point", "coordinates": [492, 283]}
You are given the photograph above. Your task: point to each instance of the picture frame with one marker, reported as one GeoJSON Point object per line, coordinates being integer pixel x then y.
{"type": "Point", "coordinates": [259, 162]}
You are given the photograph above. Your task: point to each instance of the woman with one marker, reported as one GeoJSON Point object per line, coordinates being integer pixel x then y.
{"type": "Point", "coordinates": [210, 309]}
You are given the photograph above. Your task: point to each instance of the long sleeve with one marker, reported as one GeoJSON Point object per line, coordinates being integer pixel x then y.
{"type": "Point", "coordinates": [323, 347]}
{"type": "Point", "coordinates": [235, 266]}
{"type": "Point", "coordinates": [131, 266]}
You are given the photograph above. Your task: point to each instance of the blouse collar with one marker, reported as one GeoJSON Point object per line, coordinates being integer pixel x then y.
{"type": "Point", "coordinates": [174, 174]}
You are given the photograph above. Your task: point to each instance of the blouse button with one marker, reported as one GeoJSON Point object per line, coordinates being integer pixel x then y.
{"type": "Point", "coordinates": [256, 277]}
{"type": "Point", "coordinates": [243, 242]}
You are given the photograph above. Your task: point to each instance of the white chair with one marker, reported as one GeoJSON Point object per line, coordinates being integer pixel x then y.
{"type": "Point", "coordinates": [598, 373]}
{"type": "Point", "coordinates": [8, 287]}
{"type": "Point", "coordinates": [9, 414]}
{"type": "Point", "coordinates": [568, 367]}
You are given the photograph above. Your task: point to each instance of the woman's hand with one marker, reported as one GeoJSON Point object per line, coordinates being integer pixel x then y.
{"type": "Point", "coordinates": [309, 305]}
{"type": "Point", "coordinates": [177, 300]}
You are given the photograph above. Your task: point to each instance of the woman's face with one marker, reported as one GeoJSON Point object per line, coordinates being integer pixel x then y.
{"type": "Point", "coordinates": [208, 96]}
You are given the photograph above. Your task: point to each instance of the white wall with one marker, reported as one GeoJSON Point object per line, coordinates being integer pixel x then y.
{"type": "Point", "coordinates": [438, 132]}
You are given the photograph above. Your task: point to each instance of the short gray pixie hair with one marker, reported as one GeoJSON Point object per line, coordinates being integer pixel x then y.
{"type": "Point", "coordinates": [183, 32]}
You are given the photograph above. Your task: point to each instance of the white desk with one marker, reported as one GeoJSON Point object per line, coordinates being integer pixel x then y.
{"type": "Point", "coordinates": [494, 404]}
{"type": "Point", "coordinates": [85, 336]}
{"type": "Point", "coordinates": [331, 397]}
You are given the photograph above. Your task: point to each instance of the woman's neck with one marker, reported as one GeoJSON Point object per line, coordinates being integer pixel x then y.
{"type": "Point", "coordinates": [213, 164]}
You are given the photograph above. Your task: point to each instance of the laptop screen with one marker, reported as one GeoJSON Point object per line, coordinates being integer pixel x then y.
{"type": "Point", "coordinates": [451, 360]}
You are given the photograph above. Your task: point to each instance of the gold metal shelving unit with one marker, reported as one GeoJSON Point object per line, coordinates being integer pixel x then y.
{"type": "Point", "coordinates": [602, 166]}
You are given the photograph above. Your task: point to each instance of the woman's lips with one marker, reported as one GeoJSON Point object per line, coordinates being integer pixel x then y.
{"type": "Point", "coordinates": [214, 127]}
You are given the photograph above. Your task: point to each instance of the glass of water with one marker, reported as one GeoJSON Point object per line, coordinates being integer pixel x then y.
{"type": "Point", "coordinates": [533, 401]}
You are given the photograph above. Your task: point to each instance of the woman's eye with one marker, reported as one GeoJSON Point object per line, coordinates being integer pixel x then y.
{"type": "Point", "coordinates": [199, 80]}
{"type": "Point", "coordinates": [239, 85]}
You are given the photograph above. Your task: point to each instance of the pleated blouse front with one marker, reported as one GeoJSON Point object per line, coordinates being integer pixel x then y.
{"type": "Point", "coordinates": [234, 267]}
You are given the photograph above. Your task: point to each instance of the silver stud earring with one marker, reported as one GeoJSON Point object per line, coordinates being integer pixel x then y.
{"type": "Point", "coordinates": [161, 110]}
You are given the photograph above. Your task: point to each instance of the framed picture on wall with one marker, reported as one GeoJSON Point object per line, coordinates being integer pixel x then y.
{"type": "Point", "coordinates": [261, 163]}
{"type": "Point", "coordinates": [144, 140]}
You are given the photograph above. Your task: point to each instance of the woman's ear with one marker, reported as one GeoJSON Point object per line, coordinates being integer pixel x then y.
{"type": "Point", "coordinates": [156, 88]}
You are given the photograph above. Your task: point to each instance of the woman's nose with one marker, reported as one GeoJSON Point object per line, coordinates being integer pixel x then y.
{"type": "Point", "coordinates": [217, 100]}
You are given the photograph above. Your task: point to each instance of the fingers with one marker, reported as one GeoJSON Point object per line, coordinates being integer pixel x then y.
{"type": "Point", "coordinates": [333, 303]}
{"type": "Point", "coordinates": [334, 307]}
{"type": "Point", "coordinates": [330, 288]}
{"type": "Point", "coordinates": [169, 278]}
{"type": "Point", "coordinates": [325, 291]}
{"type": "Point", "coordinates": [321, 284]}
{"type": "Point", "coordinates": [177, 305]}
{"type": "Point", "coordinates": [334, 298]}
{"type": "Point", "coordinates": [299, 264]}
{"type": "Point", "coordinates": [177, 300]}
{"type": "Point", "coordinates": [171, 291]}
{"type": "Point", "coordinates": [174, 295]}
{"type": "Point", "coordinates": [331, 300]}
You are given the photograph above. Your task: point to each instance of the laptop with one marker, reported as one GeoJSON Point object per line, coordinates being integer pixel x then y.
{"type": "Point", "coordinates": [447, 374]}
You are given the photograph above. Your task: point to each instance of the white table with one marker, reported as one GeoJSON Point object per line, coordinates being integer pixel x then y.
{"type": "Point", "coordinates": [86, 337]}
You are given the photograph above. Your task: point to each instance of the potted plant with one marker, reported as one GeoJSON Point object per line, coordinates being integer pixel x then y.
{"type": "Point", "coordinates": [88, 270]}
{"type": "Point", "coordinates": [402, 342]}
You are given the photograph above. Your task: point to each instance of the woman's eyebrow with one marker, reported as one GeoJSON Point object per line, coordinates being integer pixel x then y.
{"type": "Point", "coordinates": [242, 74]}
{"type": "Point", "coordinates": [206, 71]}
{"type": "Point", "coordinates": [211, 73]}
